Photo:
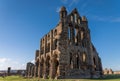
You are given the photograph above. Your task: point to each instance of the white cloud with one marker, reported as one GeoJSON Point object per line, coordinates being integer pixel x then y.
{"type": "Point", "coordinates": [33, 61]}
{"type": "Point", "coordinates": [7, 62]}
{"type": "Point", "coordinates": [64, 1]}
{"type": "Point", "coordinates": [106, 18]}
{"type": "Point", "coordinates": [23, 66]}
{"type": "Point", "coordinates": [58, 9]}
{"type": "Point", "coordinates": [116, 19]}
{"type": "Point", "coordinates": [73, 2]}
{"type": "Point", "coordinates": [99, 18]}
{"type": "Point", "coordinates": [84, 5]}
{"type": "Point", "coordinates": [3, 60]}
{"type": "Point", "coordinates": [70, 2]}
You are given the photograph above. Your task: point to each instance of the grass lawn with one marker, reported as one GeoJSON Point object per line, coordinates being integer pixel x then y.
{"type": "Point", "coordinates": [18, 78]}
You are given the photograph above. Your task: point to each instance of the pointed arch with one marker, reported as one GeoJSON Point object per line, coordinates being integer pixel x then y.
{"type": "Point", "coordinates": [94, 61]}
{"type": "Point", "coordinates": [37, 67]}
{"type": "Point", "coordinates": [77, 61]}
{"type": "Point", "coordinates": [47, 66]}
{"type": "Point", "coordinates": [71, 61]}
{"type": "Point", "coordinates": [42, 67]}
{"type": "Point", "coordinates": [84, 58]}
{"type": "Point", "coordinates": [54, 65]}
{"type": "Point", "coordinates": [82, 33]}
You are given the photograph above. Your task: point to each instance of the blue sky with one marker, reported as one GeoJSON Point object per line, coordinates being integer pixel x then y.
{"type": "Point", "coordinates": [24, 22]}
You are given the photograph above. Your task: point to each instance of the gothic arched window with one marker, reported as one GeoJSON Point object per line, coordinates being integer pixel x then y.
{"type": "Point", "coordinates": [71, 18]}
{"type": "Point", "coordinates": [77, 60]}
{"type": "Point", "coordinates": [55, 32]}
{"type": "Point", "coordinates": [48, 47]}
{"type": "Point", "coordinates": [79, 21]}
{"type": "Point", "coordinates": [55, 42]}
{"type": "Point", "coordinates": [69, 33]}
{"type": "Point", "coordinates": [48, 37]}
{"type": "Point", "coordinates": [84, 57]}
{"type": "Point", "coordinates": [75, 17]}
{"type": "Point", "coordinates": [94, 60]}
{"type": "Point", "coordinates": [82, 35]}
{"type": "Point", "coordinates": [43, 41]}
{"type": "Point", "coordinates": [48, 65]}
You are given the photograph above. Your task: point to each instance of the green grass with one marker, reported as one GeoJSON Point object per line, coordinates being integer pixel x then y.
{"type": "Point", "coordinates": [18, 78]}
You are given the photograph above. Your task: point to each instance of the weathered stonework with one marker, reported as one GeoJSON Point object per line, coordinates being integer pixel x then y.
{"type": "Point", "coordinates": [67, 51]}
{"type": "Point", "coordinates": [29, 69]}
{"type": "Point", "coordinates": [107, 71]}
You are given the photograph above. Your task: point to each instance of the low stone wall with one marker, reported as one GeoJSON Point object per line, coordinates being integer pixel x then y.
{"type": "Point", "coordinates": [116, 72]}
{"type": "Point", "coordinates": [110, 71]}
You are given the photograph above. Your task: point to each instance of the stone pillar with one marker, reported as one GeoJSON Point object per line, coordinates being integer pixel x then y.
{"type": "Point", "coordinates": [45, 50]}
{"type": "Point", "coordinates": [79, 59]}
{"type": "Point", "coordinates": [79, 40]}
{"type": "Point", "coordinates": [79, 37]}
{"type": "Point", "coordinates": [46, 68]}
{"type": "Point", "coordinates": [39, 70]}
{"type": "Point", "coordinates": [45, 45]}
{"type": "Point", "coordinates": [90, 59]}
{"type": "Point", "coordinates": [34, 71]}
{"type": "Point", "coordinates": [62, 68]}
{"type": "Point", "coordinates": [51, 43]}
{"type": "Point", "coordinates": [52, 71]}
{"type": "Point", "coordinates": [72, 35]}
{"type": "Point", "coordinates": [100, 67]}
{"type": "Point", "coordinates": [29, 71]}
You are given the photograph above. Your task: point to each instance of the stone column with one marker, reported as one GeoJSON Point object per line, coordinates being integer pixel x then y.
{"type": "Point", "coordinates": [72, 35]}
{"type": "Point", "coordinates": [35, 71]}
{"type": "Point", "coordinates": [77, 36]}
{"type": "Point", "coordinates": [51, 40]}
{"type": "Point", "coordinates": [62, 68]}
{"type": "Point", "coordinates": [90, 60]}
{"type": "Point", "coordinates": [32, 70]}
{"type": "Point", "coordinates": [39, 70]}
{"type": "Point", "coordinates": [29, 71]}
{"type": "Point", "coordinates": [45, 44]}
{"type": "Point", "coordinates": [52, 70]}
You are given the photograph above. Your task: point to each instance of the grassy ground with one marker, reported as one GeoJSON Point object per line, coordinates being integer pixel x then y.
{"type": "Point", "coordinates": [18, 78]}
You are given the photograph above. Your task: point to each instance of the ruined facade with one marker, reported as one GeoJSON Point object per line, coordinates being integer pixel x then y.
{"type": "Point", "coordinates": [29, 69]}
{"type": "Point", "coordinates": [107, 71]}
{"type": "Point", "coordinates": [67, 51]}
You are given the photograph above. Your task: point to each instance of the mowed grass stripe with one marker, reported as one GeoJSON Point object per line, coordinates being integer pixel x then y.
{"type": "Point", "coordinates": [18, 78]}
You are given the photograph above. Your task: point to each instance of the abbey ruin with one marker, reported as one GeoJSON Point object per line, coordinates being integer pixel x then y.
{"type": "Point", "coordinates": [67, 51]}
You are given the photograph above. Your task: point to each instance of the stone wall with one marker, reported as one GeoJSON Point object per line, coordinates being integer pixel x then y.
{"type": "Point", "coordinates": [29, 70]}
{"type": "Point", "coordinates": [107, 71]}
{"type": "Point", "coordinates": [67, 51]}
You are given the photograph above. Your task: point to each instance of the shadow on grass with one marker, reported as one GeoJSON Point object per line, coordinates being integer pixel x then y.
{"type": "Point", "coordinates": [109, 77]}
{"type": "Point", "coordinates": [18, 78]}
{"type": "Point", "coordinates": [105, 78]}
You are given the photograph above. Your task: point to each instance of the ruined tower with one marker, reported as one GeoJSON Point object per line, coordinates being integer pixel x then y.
{"type": "Point", "coordinates": [9, 71]}
{"type": "Point", "coordinates": [67, 51]}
